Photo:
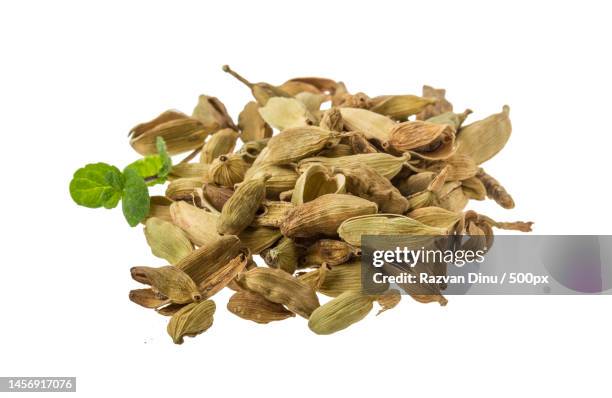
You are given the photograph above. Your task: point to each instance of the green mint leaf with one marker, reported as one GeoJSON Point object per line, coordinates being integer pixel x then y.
{"type": "Point", "coordinates": [165, 158]}
{"type": "Point", "coordinates": [97, 185]}
{"type": "Point", "coordinates": [153, 168]}
{"type": "Point", "coordinates": [135, 200]}
{"type": "Point", "coordinates": [148, 168]}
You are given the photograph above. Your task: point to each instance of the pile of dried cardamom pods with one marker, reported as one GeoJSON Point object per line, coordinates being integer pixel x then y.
{"type": "Point", "coordinates": [341, 165]}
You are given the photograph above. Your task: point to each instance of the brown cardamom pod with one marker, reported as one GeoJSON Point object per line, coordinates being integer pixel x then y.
{"type": "Point", "coordinates": [329, 251]}
{"type": "Point", "coordinates": [211, 112]}
{"type": "Point", "coordinates": [323, 215]}
{"type": "Point", "coordinates": [495, 190]}
{"type": "Point", "coordinates": [241, 208]}
{"type": "Point", "coordinates": [191, 320]}
{"type": "Point", "coordinates": [251, 124]}
{"type": "Point", "coordinates": [169, 281]}
{"type": "Point", "coordinates": [365, 182]}
{"type": "Point", "coordinates": [180, 133]}
{"type": "Point", "coordinates": [228, 170]}
{"type": "Point", "coordinates": [279, 287]}
{"type": "Point", "coordinates": [220, 143]}
{"type": "Point", "coordinates": [254, 307]}
{"type": "Point", "coordinates": [439, 107]}
{"type": "Point", "coordinates": [285, 255]}
{"type": "Point", "coordinates": [262, 92]}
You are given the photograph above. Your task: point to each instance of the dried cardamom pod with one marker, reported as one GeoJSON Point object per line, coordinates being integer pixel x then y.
{"type": "Point", "coordinates": [191, 320]}
{"type": "Point", "coordinates": [189, 170]}
{"type": "Point", "coordinates": [295, 88]}
{"type": "Point", "coordinates": [313, 103]}
{"type": "Point", "coordinates": [272, 213]}
{"type": "Point", "coordinates": [450, 118]}
{"type": "Point", "coordinates": [148, 298]}
{"type": "Point", "coordinates": [399, 107]}
{"type": "Point", "coordinates": [483, 139]}
{"type": "Point", "coordinates": [169, 281]}
{"type": "Point", "coordinates": [451, 197]}
{"type": "Point", "coordinates": [241, 208]}
{"type": "Point", "coordinates": [340, 313]}
{"type": "Point", "coordinates": [249, 265]}
{"type": "Point", "coordinates": [332, 120]}
{"type": "Point", "coordinates": [338, 151]}
{"type": "Point", "coordinates": [339, 94]}
{"type": "Point", "coordinates": [365, 182]}
{"type": "Point", "coordinates": [184, 189]}
{"type": "Point", "coordinates": [216, 195]}
{"type": "Point", "coordinates": [251, 124]}
{"type": "Point", "coordinates": [460, 167]}
{"type": "Point", "coordinates": [251, 149]}
{"type": "Point", "coordinates": [279, 287]}
{"type": "Point", "coordinates": [314, 278]}
{"type": "Point", "coordinates": [371, 124]}
{"type": "Point", "coordinates": [259, 238]}
{"type": "Point", "coordinates": [473, 188]}
{"type": "Point", "coordinates": [212, 114]}
{"type": "Point", "coordinates": [316, 181]}
{"type": "Point", "coordinates": [430, 298]}
{"type": "Point", "coordinates": [323, 215]}
{"type": "Point", "coordinates": [164, 117]}
{"type": "Point", "coordinates": [335, 280]}
{"type": "Point", "coordinates": [436, 217]}
{"type": "Point", "coordinates": [386, 165]}
{"type": "Point", "coordinates": [166, 240]}
{"type": "Point", "coordinates": [284, 255]}
{"type": "Point", "coordinates": [423, 199]}
{"type": "Point", "coordinates": [220, 143]}
{"type": "Point", "coordinates": [360, 144]}
{"type": "Point", "coordinates": [201, 201]}
{"type": "Point", "coordinates": [431, 140]}
{"type": "Point", "coordinates": [477, 237]}
{"type": "Point", "coordinates": [441, 105]}
{"type": "Point", "coordinates": [284, 113]}
{"type": "Point", "coordinates": [388, 300]}
{"type": "Point", "coordinates": [180, 133]}
{"type": "Point", "coordinates": [228, 170]}
{"type": "Point", "coordinates": [205, 261]}
{"type": "Point", "coordinates": [415, 183]}
{"type": "Point", "coordinates": [256, 308]}
{"type": "Point", "coordinates": [297, 143]}
{"type": "Point", "coordinates": [352, 229]}
{"type": "Point", "coordinates": [431, 195]}
{"type": "Point", "coordinates": [160, 208]}
{"type": "Point", "coordinates": [495, 190]}
{"type": "Point", "coordinates": [329, 251]}
{"type": "Point", "coordinates": [217, 279]}
{"type": "Point", "coordinates": [170, 309]}
{"type": "Point", "coordinates": [282, 178]}
{"type": "Point", "coordinates": [357, 100]}
{"type": "Point", "coordinates": [199, 225]}
{"type": "Point", "coordinates": [262, 92]}
{"type": "Point", "coordinates": [316, 85]}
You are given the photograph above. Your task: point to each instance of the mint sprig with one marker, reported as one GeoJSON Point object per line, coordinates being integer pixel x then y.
{"type": "Point", "coordinates": [135, 198]}
{"type": "Point", "coordinates": [97, 185]}
{"type": "Point", "coordinates": [153, 169]}
{"type": "Point", "coordinates": [103, 185]}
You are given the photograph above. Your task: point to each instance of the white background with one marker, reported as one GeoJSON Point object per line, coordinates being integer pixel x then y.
{"type": "Point", "coordinates": [76, 76]}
